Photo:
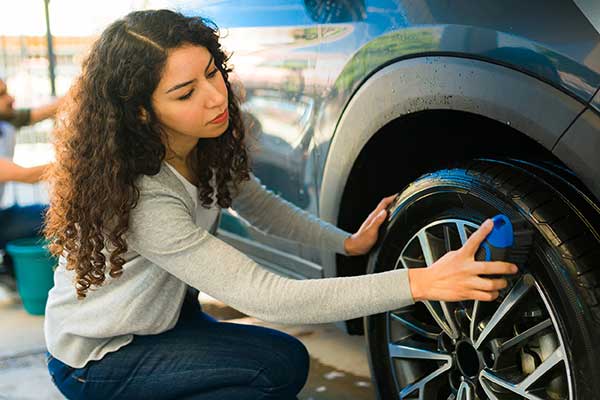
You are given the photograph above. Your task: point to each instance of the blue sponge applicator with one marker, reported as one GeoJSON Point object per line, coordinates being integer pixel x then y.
{"type": "Point", "coordinates": [508, 241]}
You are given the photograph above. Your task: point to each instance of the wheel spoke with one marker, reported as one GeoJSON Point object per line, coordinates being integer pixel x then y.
{"type": "Point", "coordinates": [549, 363]}
{"type": "Point", "coordinates": [447, 238]}
{"type": "Point", "coordinates": [454, 332]}
{"type": "Point", "coordinates": [412, 260]}
{"type": "Point", "coordinates": [426, 247]}
{"type": "Point", "coordinates": [445, 307]}
{"type": "Point", "coordinates": [444, 318]}
{"type": "Point", "coordinates": [474, 320]}
{"type": "Point", "coordinates": [486, 376]}
{"type": "Point", "coordinates": [514, 296]}
{"type": "Point", "coordinates": [409, 321]}
{"type": "Point", "coordinates": [464, 392]}
{"type": "Point", "coordinates": [410, 352]}
{"type": "Point", "coordinates": [521, 388]}
{"type": "Point", "coordinates": [525, 335]}
{"type": "Point", "coordinates": [434, 308]}
{"type": "Point", "coordinates": [462, 233]}
{"type": "Point", "coordinates": [438, 314]}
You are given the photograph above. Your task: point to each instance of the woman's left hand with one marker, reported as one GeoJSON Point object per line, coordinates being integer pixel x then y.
{"type": "Point", "coordinates": [362, 241]}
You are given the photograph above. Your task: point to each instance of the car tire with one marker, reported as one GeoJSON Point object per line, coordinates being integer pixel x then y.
{"type": "Point", "coordinates": [555, 298]}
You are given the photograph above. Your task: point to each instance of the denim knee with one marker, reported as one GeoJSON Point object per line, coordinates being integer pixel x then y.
{"type": "Point", "coordinates": [286, 371]}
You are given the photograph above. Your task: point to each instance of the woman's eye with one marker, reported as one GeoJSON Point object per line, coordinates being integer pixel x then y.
{"type": "Point", "coordinates": [186, 96]}
{"type": "Point", "coordinates": [212, 73]}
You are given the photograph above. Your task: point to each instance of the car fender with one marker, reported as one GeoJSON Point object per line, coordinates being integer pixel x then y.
{"type": "Point", "coordinates": [579, 147]}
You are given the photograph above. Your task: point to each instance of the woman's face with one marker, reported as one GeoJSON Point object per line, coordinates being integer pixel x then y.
{"type": "Point", "coordinates": [190, 100]}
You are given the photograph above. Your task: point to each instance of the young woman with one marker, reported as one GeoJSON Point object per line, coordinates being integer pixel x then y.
{"type": "Point", "coordinates": [152, 149]}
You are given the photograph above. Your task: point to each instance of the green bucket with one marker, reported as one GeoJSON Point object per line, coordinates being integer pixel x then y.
{"type": "Point", "coordinates": [34, 272]}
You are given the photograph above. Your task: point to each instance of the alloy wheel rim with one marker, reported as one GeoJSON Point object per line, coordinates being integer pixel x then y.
{"type": "Point", "coordinates": [468, 345]}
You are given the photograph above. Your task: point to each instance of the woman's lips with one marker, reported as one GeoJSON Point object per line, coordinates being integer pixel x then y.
{"type": "Point", "coordinates": [220, 118]}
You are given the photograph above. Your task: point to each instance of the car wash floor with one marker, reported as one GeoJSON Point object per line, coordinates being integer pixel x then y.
{"type": "Point", "coordinates": [338, 366]}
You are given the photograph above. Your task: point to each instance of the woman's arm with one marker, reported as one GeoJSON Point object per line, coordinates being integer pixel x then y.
{"type": "Point", "coordinates": [275, 215]}
{"type": "Point", "coordinates": [9, 171]}
{"type": "Point", "coordinates": [162, 231]}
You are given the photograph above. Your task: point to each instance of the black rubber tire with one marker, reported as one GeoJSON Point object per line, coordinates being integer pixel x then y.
{"type": "Point", "coordinates": [564, 258]}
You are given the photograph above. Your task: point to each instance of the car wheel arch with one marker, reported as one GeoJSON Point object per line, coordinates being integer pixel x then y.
{"type": "Point", "coordinates": [417, 84]}
{"type": "Point", "coordinates": [413, 86]}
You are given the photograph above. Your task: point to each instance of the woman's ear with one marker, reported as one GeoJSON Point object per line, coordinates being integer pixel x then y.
{"type": "Point", "coordinates": [144, 118]}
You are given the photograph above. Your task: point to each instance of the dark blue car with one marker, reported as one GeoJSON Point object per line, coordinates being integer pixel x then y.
{"type": "Point", "coordinates": [468, 109]}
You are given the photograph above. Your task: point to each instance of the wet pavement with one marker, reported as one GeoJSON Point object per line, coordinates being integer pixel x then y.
{"type": "Point", "coordinates": [338, 366]}
{"type": "Point", "coordinates": [326, 382]}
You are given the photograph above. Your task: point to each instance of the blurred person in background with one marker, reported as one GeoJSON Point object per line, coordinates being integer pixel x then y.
{"type": "Point", "coordinates": [18, 222]}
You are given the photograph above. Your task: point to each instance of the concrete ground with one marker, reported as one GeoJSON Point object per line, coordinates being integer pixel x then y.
{"type": "Point", "coordinates": [339, 367]}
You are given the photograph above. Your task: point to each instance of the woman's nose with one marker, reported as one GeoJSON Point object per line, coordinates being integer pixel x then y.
{"type": "Point", "coordinates": [215, 98]}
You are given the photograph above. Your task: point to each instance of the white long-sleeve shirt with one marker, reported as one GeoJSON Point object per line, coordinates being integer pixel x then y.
{"type": "Point", "coordinates": [168, 250]}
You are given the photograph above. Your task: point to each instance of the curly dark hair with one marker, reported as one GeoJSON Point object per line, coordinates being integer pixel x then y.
{"type": "Point", "coordinates": [103, 146]}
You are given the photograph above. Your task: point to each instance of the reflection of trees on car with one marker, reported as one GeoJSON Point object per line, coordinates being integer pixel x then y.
{"type": "Point", "coordinates": [330, 12]}
{"type": "Point", "coordinates": [269, 124]}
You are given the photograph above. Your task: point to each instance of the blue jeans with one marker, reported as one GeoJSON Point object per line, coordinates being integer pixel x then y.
{"type": "Point", "coordinates": [20, 222]}
{"type": "Point", "coordinates": [200, 358]}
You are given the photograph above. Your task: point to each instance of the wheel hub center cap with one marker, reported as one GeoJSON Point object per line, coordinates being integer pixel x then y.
{"type": "Point", "coordinates": [468, 359]}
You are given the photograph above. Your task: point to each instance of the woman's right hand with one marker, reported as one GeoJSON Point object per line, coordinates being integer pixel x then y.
{"type": "Point", "coordinates": [456, 275]}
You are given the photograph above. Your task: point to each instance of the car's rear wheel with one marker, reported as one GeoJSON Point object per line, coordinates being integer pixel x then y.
{"type": "Point", "coordinates": [539, 339]}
